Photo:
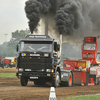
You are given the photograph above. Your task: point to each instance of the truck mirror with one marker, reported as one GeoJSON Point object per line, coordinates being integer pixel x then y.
{"type": "Point", "coordinates": [17, 48]}
{"type": "Point", "coordinates": [58, 47]}
{"type": "Point", "coordinates": [55, 46]}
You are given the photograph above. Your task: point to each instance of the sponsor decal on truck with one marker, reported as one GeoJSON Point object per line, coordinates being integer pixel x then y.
{"type": "Point", "coordinates": [89, 56]}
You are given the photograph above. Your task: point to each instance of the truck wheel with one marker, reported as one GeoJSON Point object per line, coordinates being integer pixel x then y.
{"type": "Point", "coordinates": [23, 80]}
{"type": "Point", "coordinates": [97, 81]}
{"type": "Point", "coordinates": [6, 65]}
{"type": "Point", "coordinates": [56, 80]}
{"type": "Point", "coordinates": [70, 80]}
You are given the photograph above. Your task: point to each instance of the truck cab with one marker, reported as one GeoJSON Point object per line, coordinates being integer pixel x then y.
{"type": "Point", "coordinates": [90, 49]}
{"type": "Point", "coordinates": [37, 60]}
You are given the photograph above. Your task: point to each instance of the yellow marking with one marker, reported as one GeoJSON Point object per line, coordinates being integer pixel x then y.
{"type": "Point", "coordinates": [82, 64]}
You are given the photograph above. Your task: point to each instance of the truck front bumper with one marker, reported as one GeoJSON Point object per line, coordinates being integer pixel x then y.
{"type": "Point", "coordinates": [35, 74]}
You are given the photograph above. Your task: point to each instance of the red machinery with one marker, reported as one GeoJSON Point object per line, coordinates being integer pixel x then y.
{"type": "Point", "coordinates": [6, 62]}
{"type": "Point", "coordinates": [85, 71]}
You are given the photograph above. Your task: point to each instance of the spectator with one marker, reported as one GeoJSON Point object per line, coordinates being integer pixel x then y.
{"type": "Point", "coordinates": [92, 47]}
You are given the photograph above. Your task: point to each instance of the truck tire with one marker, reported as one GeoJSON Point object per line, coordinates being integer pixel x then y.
{"type": "Point", "coordinates": [23, 80]}
{"type": "Point", "coordinates": [97, 81]}
{"type": "Point", "coordinates": [6, 65]}
{"type": "Point", "coordinates": [70, 80]}
{"type": "Point", "coordinates": [56, 80]}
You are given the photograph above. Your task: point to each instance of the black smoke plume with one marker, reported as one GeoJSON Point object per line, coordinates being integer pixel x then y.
{"type": "Point", "coordinates": [33, 10]}
{"type": "Point", "coordinates": [73, 18]}
{"type": "Point", "coordinates": [68, 16]}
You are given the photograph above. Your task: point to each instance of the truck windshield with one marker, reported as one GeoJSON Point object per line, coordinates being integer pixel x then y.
{"type": "Point", "coordinates": [36, 46]}
{"type": "Point", "coordinates": [89, 46]}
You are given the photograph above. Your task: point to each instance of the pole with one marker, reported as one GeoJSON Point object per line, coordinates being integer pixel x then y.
{"type": "Point", "coordinates": [46, 24]}
{"type": "Point", "coordinates": [60, 43]}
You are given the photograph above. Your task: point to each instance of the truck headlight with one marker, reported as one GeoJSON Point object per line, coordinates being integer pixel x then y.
{"type": "Point", "coordinates": [46, 55]}
{"type": "Point", "coordinates": [48, 70]}
{"type": "Point", "coordinates": [23, 54]}
{"type": "Point", "coordinates": [20, 69]}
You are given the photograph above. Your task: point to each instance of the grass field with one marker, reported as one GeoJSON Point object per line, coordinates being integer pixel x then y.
{"type": "Point", "coordinates": [7, 74]}
{"type": "Point", "coordinates": [89, 97]}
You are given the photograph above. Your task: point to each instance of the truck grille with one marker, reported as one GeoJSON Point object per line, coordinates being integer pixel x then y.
{"type": "Point", "coordinates": [35, 63]}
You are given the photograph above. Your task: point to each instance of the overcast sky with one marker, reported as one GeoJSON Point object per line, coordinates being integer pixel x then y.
{"type": "Point", "coordinates": [12, 18]}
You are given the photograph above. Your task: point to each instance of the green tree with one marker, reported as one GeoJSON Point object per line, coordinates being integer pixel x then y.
{"type": "Point", "coordinates": [16, 36]}
{"type": "Point", "coordinates": [8, 49]}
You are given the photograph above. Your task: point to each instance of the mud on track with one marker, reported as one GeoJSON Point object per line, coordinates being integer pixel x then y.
{"type": "Point", "coordinates": [10, 89]}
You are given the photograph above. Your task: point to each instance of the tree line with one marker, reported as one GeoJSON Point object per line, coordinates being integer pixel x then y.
{"type": "Point", "coordinates": [8, 49]}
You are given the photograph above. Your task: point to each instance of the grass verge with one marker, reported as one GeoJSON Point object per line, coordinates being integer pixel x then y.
{"type": "Point", "coordinates": [7, 74]}
{"type": "Point", "coordinates": [89, 97]}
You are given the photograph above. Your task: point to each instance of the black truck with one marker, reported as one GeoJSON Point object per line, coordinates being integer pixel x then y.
{"type": "Point", "coordinates": [38, 60]}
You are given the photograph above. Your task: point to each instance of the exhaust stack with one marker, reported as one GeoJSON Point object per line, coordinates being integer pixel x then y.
{"type": "Point", "coordinates": [60, 43]}
{"type": "Point", "coordinates": [46, 25]}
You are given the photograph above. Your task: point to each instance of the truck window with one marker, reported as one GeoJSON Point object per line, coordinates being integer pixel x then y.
{"type": "Point", "coordinates": [89, 46]}
{"type": "Point", "coordinates": [22, 46]}
{"type": "Point", "coordinates": [36, 46]}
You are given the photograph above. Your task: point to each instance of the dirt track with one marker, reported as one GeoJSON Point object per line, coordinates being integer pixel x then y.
{"type": "Point", "coordinates": [8, 70]}
{"type": "Point", "coordinates": [10, 89]}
